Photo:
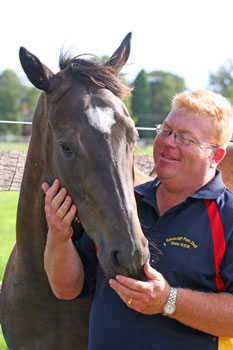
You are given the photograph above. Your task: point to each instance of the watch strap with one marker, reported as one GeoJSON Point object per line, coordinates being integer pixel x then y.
{"type": "Point", "coordinates": [171, 302]}
{"type": "Point", "coordinates": [172, 296]}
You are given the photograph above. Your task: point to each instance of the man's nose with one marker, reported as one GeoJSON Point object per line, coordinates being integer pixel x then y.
{"type": "Point", "coordinates": [170, 139]}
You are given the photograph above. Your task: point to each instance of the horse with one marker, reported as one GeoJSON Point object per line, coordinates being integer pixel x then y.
{"type": "Point", "coordinates": [226, 167]}
{"type": "Point", "coordinates": [82, 134]}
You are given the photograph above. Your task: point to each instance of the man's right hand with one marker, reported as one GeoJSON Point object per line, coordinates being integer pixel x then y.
{"type": "Point", "coordinates": [62, 262]}
{"type": "Point", "coordinates": [59, 211]}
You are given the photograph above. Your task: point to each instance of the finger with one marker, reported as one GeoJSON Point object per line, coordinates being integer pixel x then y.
{"type": "Point", "coordinates": [63, 209]}
{"type": "Point", "coordinates": [70, 215]}
{"type": "Point", "coordinates": [152, 273]}
{"type": "Point", "coordinates": [45, 187]}
{"type": "Point", "coordinates": [52, 191]}
{"type": "Point", "coordinates": [131, 283]}
{"type": "Point", "coordinates": [124, 292]}
{"type": "Point", "coordinates": [57, 202]}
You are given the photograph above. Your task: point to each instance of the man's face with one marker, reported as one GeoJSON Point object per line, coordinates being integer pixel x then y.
{"type": "Point", "coordinates": [185, 164]}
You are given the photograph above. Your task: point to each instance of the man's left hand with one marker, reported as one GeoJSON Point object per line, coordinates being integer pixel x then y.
{"type": "Point", "coordinates": [145, 297]}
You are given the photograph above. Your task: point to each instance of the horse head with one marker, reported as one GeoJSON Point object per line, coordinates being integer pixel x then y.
{"type": "Point", "coordinates": [89, 142]}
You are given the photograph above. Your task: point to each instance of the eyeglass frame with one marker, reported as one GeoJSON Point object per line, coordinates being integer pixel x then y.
{"type": "Point", "coordinates": [158, 129]}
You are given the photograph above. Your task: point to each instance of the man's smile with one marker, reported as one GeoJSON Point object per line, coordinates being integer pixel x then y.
{"type": "Point", "coordinates": [168, 157]}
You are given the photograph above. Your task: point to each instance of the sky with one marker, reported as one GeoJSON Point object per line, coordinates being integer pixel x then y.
{"type": "Point", "coordinates": [190, 38]}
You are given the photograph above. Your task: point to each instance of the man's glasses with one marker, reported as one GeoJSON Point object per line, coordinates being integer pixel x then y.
{"type": "Point", "coordinates": [180, 137]}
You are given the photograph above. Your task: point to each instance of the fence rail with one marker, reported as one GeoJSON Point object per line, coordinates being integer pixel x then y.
{"type": "Point", "coordinates": [15, 122]}
{"type": "Point", "coordinates": [12, 166]}
{"type": "Point", "coordinates": [12, 163]}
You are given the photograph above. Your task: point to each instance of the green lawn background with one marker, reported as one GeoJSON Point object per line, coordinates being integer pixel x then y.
{"type": "Point", "coordinates": [8, 208]}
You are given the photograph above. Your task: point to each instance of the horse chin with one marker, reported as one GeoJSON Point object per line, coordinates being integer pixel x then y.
{"type": "Point", "coordinates": [136, 273]}
{"type": "Point", "coordinates": [139, 275]}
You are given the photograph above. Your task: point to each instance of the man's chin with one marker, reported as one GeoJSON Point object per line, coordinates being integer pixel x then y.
{"type": "Point", "coordinates": [164, 175]}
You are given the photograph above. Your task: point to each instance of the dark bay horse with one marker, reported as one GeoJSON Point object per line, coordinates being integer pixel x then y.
{"type": "Point", "coordinates": [83, 135]}
{"type": "Point", "coordinates": [226, 167]}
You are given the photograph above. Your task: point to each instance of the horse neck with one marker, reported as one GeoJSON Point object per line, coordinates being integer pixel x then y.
{"type": "Point", "coordinates": [31, 225]}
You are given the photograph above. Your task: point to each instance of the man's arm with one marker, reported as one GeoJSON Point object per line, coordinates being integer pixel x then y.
{"type": "Point", "coordinates": [62, 262]}
{"type": "Point", "coordinates": [208, 312]}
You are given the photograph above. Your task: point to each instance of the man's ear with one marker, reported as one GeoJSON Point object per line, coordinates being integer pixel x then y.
{"type": "Point", "coordinates": [218, 156]}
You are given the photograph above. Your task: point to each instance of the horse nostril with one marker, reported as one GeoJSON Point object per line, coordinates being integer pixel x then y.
{"type": "Point", "coordinates": [115, 259]}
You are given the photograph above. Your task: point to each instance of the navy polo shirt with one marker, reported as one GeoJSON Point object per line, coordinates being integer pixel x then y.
{"type": "Point", "coordinates": [195, 244]}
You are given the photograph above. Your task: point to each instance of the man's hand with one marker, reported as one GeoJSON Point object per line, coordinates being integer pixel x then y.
{"type": "Point", "coordinates": [59, 211]}
{"type": "Point", "coordinates": [61, 260]}
{"type": "Point", "coordinates": [145, 297]}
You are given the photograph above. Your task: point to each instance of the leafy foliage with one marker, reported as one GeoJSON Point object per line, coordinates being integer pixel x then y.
{"type": "Point", "coordinates": [10, 97]}
{"type": "Point", "coordinates": [151, 101]}
{"type": "Point", "coordinates": [17, 102]}
{"type": "Point", "coordinates": [164, 86]}
{"type": "Point", "coordinates": [141, 103]}
{"type": "Point", "coordinates": [222, 80]}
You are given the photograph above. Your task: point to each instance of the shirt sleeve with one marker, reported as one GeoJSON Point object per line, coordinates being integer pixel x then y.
{"type": "Point", "coordinates": [86, 250]}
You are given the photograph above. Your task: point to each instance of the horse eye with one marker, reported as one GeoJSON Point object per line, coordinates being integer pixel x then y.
{"type": "Point", "coordinates": [64, 147]}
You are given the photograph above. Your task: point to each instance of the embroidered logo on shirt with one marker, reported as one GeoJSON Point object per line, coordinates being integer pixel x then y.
{"type": "Point", "coordinates": [181, 241]}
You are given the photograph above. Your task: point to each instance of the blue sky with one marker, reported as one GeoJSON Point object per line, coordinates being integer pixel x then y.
{"type": "Point", "coordinates": [185, 37]}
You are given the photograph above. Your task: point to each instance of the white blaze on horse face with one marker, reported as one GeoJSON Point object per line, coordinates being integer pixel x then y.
{"type": "Point", "coordinates": [101, 119]}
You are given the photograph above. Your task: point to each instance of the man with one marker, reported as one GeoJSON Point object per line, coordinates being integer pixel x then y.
{"type": "Point", "coordinates": [187, 301]}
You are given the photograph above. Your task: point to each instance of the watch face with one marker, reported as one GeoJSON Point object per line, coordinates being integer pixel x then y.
{"type": "Point", "coordinates": [169, 308]}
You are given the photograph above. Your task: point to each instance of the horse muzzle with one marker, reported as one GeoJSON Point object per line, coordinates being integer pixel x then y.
{"type": "Point", "coordinates": [127, 259]}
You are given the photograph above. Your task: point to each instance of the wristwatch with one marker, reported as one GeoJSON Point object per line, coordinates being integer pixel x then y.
{"type": "Point", "coordinates": [170, 307]}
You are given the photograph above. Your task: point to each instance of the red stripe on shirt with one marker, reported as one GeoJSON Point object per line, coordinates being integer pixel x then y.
{"type": "Point", "coordinates": [137, 195]}
{"type": "Point", "coordinates": [218, 239]}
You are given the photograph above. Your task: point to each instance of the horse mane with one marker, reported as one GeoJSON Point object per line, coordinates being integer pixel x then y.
{"type": "Point", "coordinates": [90, 72]}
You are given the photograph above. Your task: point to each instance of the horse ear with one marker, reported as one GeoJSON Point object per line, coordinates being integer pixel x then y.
{"type": "Point", "coordinates": [121, 55]}
{"type": "Point", "coordinates": [38, 74]}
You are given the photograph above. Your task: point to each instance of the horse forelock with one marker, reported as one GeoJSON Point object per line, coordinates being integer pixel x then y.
{"type": "Point", "coordinates": [90, 72]}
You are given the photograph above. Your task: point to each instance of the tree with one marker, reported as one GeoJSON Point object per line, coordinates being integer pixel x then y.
{"type": "Point", "coordinates": [17, 102]}
{"type": "Point", "coordinates": [222, 80]}
{"type": "Point", "coordinates": [29, 100]}
{"type": "Point", "coordinates": [141, 95]}
{"type": "Point", "coordinates": [141, 102]}
{"type": "Point", "coordinates": [10, 99]}
{"type": "Point", "coordinates": [152, 97]}
{"type": "Point", "coordinates": [164, 86]}
{"type": "Point", "coordinates": [28, 105]}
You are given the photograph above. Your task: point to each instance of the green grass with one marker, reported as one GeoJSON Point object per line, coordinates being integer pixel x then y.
{"type": "Point", "coordinates": [8, 207]}
{"type": "Point", "coordinates": [13, 146]}
{"type": "Point", "coordinates": [3, 345]}
{"type": "Point", "coordinates": [146, 150]}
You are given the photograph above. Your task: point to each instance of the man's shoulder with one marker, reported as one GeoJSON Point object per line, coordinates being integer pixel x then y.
{"type": "Point", "coordinates": [227, 197]}
{"type": "Point", "coordinates": [225, 207]}
{"type": "Point", "coordinates": [146, 187]}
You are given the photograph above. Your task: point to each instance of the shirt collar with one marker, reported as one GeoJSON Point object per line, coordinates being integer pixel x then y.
{"type": "Point", "coordinates": [211, 190]}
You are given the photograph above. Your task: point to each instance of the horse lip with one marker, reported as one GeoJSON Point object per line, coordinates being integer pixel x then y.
{"type": "Point", "coordinates": [138, 275]}
{"type": "Point", "coordinates": [110, 270]}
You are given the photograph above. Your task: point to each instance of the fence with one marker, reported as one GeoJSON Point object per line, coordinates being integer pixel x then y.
{"type": "Point", "coordinates": [12, 164]}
